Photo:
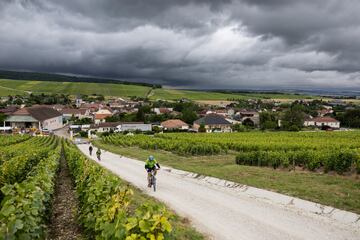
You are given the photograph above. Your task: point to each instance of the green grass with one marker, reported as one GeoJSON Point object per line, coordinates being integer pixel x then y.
{"type": "Point", "coordinates": [333, 190]}
{"type": "Point", "coordinates": [21, 87]}
{"type": "Point", "coordinates": [71, 88]}
{"type": "Point", "coordinates": [173, 94]}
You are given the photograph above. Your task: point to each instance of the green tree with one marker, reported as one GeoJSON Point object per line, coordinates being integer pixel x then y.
{"type": "Point", "coordinates": [188, 115]}
{"type": "Point", "coordinates": [350, 118]}
{"type": "Point", "coordinates": [143, 110]}
{"type": "Point", "coordinates": [238, 128]}
{"type": "Point", "coordinates": [248, 123]}
{"type": "Point", "coordinates": [293, 118]}
{"type": "Point", "coordinates": [202, 128]}
{"type": "Point", "coordinates": [2, 118]}
{"type": "Point", "coordinates": [268, 120]}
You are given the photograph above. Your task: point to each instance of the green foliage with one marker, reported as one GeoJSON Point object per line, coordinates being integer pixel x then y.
{"type": "Point", "coordinates": [188, 115]}
{"type": "Point", "coordinates": [351, 118]}
{"type": "Point", "coordinates": [16, 168]}
{"type": "Point", "coordinates": [149, 222]}
{"type": "Point", "coordinates": [239, 128]}
{"type": "Point", "coordinates": [268, 120]}
{"type": "Point", "coordinates": [10, 140]}
{"type": "Point", "coordinates": [25, 207]}
{"type": "Point", "coordinates": [189, 147]}
{"type": "Point", "coordinates": [202, 128]}
{"type": "Point", "coordinates": [106, 207]}
{"type": "Point", "coordinates": [340, 161]}
{"type": "Point", "coordinates": [293, 119]}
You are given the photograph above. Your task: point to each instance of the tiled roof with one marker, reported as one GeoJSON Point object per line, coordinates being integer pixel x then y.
{"type": "Point", "coordinates": [102, 116]}
{"type": "Point", "coordinates": [40, 113]}
{"type": "Point", "coordinates": [212, 119]}
{"type": "Point", "coordinates": [173, 123]}
{"type": "Point", "coordinates": [323, 119]}
{"type": "Point", "coordinates": [73, 111]}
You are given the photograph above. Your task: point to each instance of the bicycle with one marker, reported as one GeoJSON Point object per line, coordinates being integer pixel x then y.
{"type": "Point", "coordinates": [153, 179]}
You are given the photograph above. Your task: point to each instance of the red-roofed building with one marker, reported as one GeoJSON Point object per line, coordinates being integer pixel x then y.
{"type": "Point", "coordinates": [174, 124]}
{"type": "Point", "coordinates": [100, 115]}
{"type": "Point", "coordinates": [322, 122]}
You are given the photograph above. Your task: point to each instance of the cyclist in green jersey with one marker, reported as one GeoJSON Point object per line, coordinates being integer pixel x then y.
{"type": "Point", "coordinates": [151, 165]}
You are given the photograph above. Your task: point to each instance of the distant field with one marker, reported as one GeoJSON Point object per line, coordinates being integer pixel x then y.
{"type": "Point", "coordinates": [172, 94]}
{"type": "Point", "coordinates": [121, 90]}
{"type": "Point", "coordinates": [21, 87]}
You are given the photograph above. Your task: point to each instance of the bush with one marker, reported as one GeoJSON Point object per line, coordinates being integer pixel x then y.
{"type": "Point", "coordinates": [343, 160]}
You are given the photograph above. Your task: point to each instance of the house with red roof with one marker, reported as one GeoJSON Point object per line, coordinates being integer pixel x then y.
{"type": "Point", "coordinates": [172, 124]}
{"type": "Point", "coordinates": [322, 122]}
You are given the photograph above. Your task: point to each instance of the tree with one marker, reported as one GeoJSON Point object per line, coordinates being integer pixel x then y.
{"type": "Point", "coordinates": [293, 118]}
{"type": "Point", "coordinates": [268, 120]}
{"type": "Point", "coordinates": [351, 118]}
{"type": "Point", "coordinates": [2, 118]}
{"type": "Point", "coordinates": [238, 128]}
{"type": "Point", "coordinates": [202, 128]}
{"type": "Point", "coordinates": [140, 115]}
{"type": "Point", "coordinates": [188, 115]}
{"type": "Point", "coordinates": [248, 123]}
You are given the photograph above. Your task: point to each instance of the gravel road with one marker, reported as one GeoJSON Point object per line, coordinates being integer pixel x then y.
{"type": "Point", "coordinates": [222, 213]}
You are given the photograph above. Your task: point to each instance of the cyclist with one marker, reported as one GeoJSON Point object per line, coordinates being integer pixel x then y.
{"type": "Point", "coordinates": [98, 154]}
{"type": "Point", "coordinates": [151, 165]}
{"type": "Point", "coordinates": [90, 149]}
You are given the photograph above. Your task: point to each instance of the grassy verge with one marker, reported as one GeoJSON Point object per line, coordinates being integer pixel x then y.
{"type": "Point", "coordinates": [333, 190]}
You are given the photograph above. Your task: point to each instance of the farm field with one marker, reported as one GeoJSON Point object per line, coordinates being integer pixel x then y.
{"type": "Point", "coordinates": [233, 156]}
{"type": "Point", "coordinates": [172, 94]}
{"type": "Point", "coordinates": [106, 89]}
{"type": "Point", "coordinates": [28, 178]}
{"type": "Point", "coordinates": [20, 87]}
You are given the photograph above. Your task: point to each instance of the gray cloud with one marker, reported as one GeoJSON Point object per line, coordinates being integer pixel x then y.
{"type": "Point", "coordinates": [202, 43]}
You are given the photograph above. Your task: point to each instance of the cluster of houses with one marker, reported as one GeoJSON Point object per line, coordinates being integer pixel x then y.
{"type": "Point", "coordinates": [44, 118]}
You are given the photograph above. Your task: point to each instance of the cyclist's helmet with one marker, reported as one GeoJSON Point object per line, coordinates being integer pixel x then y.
{"type": "Point", "coordinates": [151, 158]}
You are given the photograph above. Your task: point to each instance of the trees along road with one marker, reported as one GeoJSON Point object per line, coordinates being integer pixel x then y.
{"type": "Point", "coordinates": [223, 212]}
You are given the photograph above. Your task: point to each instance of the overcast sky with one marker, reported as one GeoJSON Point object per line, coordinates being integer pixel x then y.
{"type": "Point", "coordinates": [188, 43]}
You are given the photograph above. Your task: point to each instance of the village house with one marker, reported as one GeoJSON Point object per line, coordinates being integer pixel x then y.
{"type": "Point", "coordinates": [223, 112]}
{"type": "Point", "coordinates": [324, 112]}
{"type": "Point", "coordinates": [93, 107]}
{"type": "Point", "coordinates": [159, 111]}
{"type": "Point", "coordinates": [105, 126]}
{"type": "Point", "coordinates": [322, 122]}
{"type": "Point", "coordinates": [121, 127]}
{"type": "Point", "coordinates": [134, 126]}
{"type": "Point", "coordinates": [39, 118]}
{"type": "Point", "coordinates": [248, 115]}
{"type": "Point", "coordinates": [8, 110]}
{"type": "Point", "coordinates": [174, 124]}
{"type": "Point", "coordinates": [68, 113]}
{"type": "Point", "coordinates": [101, 115]}
{"type": "Point", "coordinates": [213, 123]}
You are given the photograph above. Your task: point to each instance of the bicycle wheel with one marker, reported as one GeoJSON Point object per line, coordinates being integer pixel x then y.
{"type": "Point", "coordinates": [154, 183]}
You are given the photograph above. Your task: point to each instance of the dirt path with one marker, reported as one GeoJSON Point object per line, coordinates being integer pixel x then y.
{"type": "Point", "coordinates": [63, 225]}
{"type": "Point", "coordinates": [229, 213]}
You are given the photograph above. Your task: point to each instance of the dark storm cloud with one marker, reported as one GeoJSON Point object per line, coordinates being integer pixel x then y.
{"type": "Point", "coordinates": [192, 43]}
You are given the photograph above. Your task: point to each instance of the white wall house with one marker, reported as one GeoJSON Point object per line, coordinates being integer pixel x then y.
{"type": "Point", "coordinates": [101, 115]}
{"type": "Point", "coordinates": [134, 126]}
{"type": "Point", "coordinates": [35, 118]}
{"type": "Point", "coordinates": [322, 122]}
